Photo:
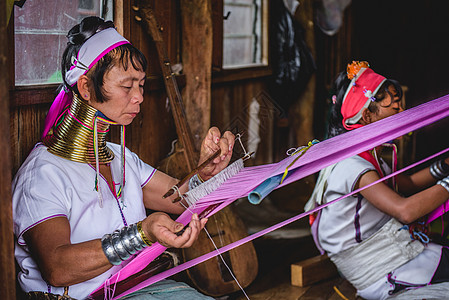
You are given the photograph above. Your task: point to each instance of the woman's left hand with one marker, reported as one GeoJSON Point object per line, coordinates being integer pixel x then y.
{"type": "Point", "coordinates": [213, 142]}
{"type": "Point", "coordinates": [160, 227]}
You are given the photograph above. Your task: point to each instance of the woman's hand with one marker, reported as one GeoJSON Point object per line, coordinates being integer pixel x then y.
{"type": "Point", "coordinates": [159, 227]}
{"type": "Point", "coordinates": [213, 142]}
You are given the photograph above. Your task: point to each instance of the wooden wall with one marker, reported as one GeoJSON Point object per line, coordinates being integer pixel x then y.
{"type": "Point", "coordinates": [230, 110]}
{"type": "Point", "coordinates": [152, 132]}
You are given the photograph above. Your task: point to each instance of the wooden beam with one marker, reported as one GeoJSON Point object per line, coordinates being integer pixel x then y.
{"type": "Point", "coordinates": [197, 64]}
{"type": "Point", "coordinates": [312, 270]}
{"type": "Point", "coordinates": [7, 266]}
{"type": "Point", "coordinates": [217, 35]}
{"type": "Point", "coordinates": [302, 111]}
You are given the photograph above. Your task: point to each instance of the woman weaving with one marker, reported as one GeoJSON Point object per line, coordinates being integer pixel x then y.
{"type": "Point", "coordinates": [79, 202]}
{"type": "Point", "coordinates": [365, 235]}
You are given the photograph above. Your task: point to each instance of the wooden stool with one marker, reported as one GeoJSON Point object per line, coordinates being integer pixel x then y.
{"type": "Point", "coordinates": [321, 277]}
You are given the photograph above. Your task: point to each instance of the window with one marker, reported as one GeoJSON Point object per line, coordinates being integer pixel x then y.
{"type": "Point", "coordinates": [244, 33]}
{"type": "Point", "coordinates": [40, 29]}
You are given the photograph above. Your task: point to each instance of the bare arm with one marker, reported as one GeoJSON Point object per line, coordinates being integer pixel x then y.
{"type": "Point", "coordinates": [405, 209]}
{"type": "Point", "coordinates": [63, 264]}
{"type": "Point", "coordinates": [153, 191]}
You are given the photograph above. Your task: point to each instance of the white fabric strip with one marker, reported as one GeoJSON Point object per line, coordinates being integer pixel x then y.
{"type": "Point", "coordinates": [396, 247]}
{"type": "Point", "coordinates": [92, 50]}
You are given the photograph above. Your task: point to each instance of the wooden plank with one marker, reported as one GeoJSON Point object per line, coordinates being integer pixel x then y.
{"type": "Point", "coordinates": [197, 42]}
{"type": "Point", "coordinates": [188, 158]}
{"type": "Point", "coordinates": [312, 270]}
{"type": "Point", "coordinates": [7, 267]}
{"type": "Point", "coordinates": [301, 111]}
{"type": "Point", "coordinates": [31, 95]}
{"type": "Point", "coordinates": [233, 75]}
{"type": "Point", "coordinates": [119, 17]}
{"type": "Point", "coordinates": [217, 35]}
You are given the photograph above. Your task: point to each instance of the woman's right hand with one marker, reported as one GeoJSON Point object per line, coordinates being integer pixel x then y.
{"type": "Point", "coordinates": [159, 227]}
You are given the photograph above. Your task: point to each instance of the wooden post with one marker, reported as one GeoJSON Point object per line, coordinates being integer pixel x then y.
{"type": "Point", "coordinates": [302, 119]}
{"type": "Point", "coordinates": [197, 65]}
{"type": "Point", "coordinates": [7, 267]}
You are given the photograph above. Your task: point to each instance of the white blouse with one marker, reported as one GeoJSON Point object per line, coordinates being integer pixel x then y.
{"type": "Point", "coordinates": [351, 220]}
{"type": "Point", "coordinates": [47, 186]}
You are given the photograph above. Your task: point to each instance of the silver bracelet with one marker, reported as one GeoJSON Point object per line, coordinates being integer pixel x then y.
{"type": "Point", "coordinates": [135, 238]}
{"type": "Point", "coordinates": [118, 246]}
{"type": "Point", "coordinates": [109, 251]}
{"type": "Point", "coordinates": [122, 244]}
{"type": "Point", "coordinates": [444, 183]}
{"type": "Point", "coordinates": [125, 238]}
{"type": "Point", "coordinates": [194, 182]}
{"type": "Point", "coordinates": [439, 169]}
{"type": "Point", "coordinates": [138, 237]}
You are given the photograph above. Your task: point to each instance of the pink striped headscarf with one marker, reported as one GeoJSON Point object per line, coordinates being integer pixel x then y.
{"type": "Point", "coordinates": [358, 96]}
{"type": "Point", "coordinates": [89, 54]}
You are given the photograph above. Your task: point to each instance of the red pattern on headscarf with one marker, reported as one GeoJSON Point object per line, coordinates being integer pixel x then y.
{"type": "Point", "coordinates": [356, 97]}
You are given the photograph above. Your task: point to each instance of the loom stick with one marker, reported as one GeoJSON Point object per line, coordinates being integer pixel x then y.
{"type": "Point", "coordinates": [192, 173]}
{"type": "Point", "coordinates": [261, 191]}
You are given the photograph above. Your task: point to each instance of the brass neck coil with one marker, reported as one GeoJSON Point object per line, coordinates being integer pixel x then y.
{"type": "Point", "coordinates": [73, 135]}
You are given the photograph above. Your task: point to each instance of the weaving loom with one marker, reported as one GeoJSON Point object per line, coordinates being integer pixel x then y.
{"type": "Point", "coordinates": [316, 158]}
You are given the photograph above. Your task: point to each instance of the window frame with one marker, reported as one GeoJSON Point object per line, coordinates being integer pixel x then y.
{"type": "Point", "coordinates": [34, 94]}
{"type": "Point", "coordinates": [221, 74]}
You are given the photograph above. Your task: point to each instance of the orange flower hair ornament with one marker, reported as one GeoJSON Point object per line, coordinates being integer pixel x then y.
{"type": "Point", "coordinates": [353, 68]}
{"type": "Point", "coordinates": [365, 83]}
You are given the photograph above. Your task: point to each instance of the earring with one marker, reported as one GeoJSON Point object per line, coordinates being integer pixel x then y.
{"type": "Point", "coordinates": [86, 95]}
